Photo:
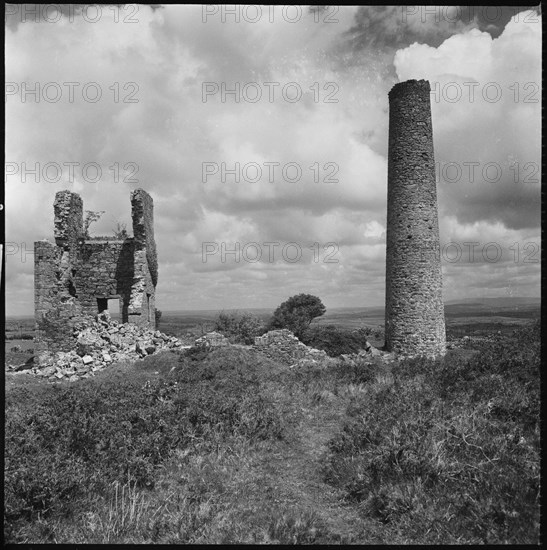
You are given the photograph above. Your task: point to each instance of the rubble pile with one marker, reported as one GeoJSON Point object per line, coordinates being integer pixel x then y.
{"type": "Point", "coordinates": [100, 343]}
{"type": "Point", "coordinates": [211, 340]}
{"type": "Point", "coordinates": [282, 345]}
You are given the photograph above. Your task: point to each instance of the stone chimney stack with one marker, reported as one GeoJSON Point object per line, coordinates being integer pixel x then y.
{"type": "Point", "coordinates": [414, 306]}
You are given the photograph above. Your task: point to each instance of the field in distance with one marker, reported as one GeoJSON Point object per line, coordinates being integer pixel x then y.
{"type": "Point", "coordinates": [475, 315]}
{"type": "Point", "coordinates": [478, 315]}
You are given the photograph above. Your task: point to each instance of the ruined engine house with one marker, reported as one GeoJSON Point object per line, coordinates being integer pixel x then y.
{"type": "Point", "coordinates": [77, 277]}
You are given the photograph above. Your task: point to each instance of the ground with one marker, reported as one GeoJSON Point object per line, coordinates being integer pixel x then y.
{"type": "Point", "coordinates": [250, 450]}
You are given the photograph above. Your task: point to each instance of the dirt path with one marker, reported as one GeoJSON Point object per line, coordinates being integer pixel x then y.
{"type": "Point", "coordinates": [295, 470]}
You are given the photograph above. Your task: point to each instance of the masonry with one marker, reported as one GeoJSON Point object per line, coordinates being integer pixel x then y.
{"type": "Point", "coordinates": [415, 321]}
{"type": "Point", "coordinates": [76, 278]}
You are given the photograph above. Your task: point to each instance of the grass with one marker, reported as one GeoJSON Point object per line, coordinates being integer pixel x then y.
{"type": "Point", "coordinates": [447, 452]}
{"type": "Point", "coordinates": [228, 446]}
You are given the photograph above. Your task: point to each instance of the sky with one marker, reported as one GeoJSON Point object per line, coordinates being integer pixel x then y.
{"type": "Point", "coordinates": [279, 187]}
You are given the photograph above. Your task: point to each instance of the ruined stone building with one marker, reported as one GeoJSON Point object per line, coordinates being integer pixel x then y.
{"type": "Point", "coordinates": [415, 321]}
{"type": "Point", "coordinates": [77, 277]}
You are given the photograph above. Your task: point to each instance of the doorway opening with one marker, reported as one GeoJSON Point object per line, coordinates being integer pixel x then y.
{"type": "Point", "coordinates": [115, 312]}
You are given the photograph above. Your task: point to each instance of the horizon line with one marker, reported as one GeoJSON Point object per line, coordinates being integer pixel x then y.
{"type": "Point", "coordinates": [463, 301]}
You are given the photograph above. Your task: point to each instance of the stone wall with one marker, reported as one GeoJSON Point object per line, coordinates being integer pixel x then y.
{"type": "Point", "coordinates": [282, 345]}
{"type": "Point", "coordinates": [77, 278]}
{"type": "Point", "coordinates": [104, 271]}
{"type": "Point", "coordinates": [69, 222]}
{"type": "Point", "coordinates": [414, 307]}
{"type": "Point", "coordinates": [56, 307]}
{"type": "Point", "coordinates": [141, 304]}
{"type": "Point", "coordinates": [142, 214]}
{"type": "Point", "coordinates": [211, 340]}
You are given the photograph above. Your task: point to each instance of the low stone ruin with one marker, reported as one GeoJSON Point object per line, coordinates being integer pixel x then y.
{"type": "Point", "coordinates": [282, 345]}
{"type": "Point", "coordinates": [211, 340]}
{"type": "Point", "coordinates": [100, 343]}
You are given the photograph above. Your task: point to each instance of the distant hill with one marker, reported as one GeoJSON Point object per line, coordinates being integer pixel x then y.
{"type": "Point", "coordinates": [509, 306]}
{"type": "Point", "coordinates": [215, 311]}
{"type": "Point", "coordinates": [501, 301]}
{"type": "Point", "coordinates": [504, 301]}
{"type": "Point", "coordinates": [494, 307]}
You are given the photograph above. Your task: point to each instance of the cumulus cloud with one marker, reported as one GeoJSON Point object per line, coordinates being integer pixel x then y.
{"type": "Point", "coordinates": [154, 128]}
{"type": "Point", "coordinates": [492, 86]}
{"type": "Point", "coordinates": [486, 119]}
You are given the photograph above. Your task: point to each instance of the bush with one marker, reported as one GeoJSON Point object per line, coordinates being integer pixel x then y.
{"type": "Point", "coordinates": [333, 340]}
{"type": "Point", "coordinates": [239, 328]}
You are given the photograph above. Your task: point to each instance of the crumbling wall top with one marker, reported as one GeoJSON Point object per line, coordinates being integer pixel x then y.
{"type": "Point", "coordinates": [69, 222]}
{"type": "Point", "coordinates": [142, 214]}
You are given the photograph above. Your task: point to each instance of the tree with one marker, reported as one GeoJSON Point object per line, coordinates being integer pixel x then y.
{"type": "Point", "coordinates": [297, 313]}
{"type": "Point", "coordinates": [90, 217]}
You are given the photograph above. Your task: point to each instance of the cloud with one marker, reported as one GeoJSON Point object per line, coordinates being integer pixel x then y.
{"type": "Point", "coordinates": [395, 26]}
{"type": "Point", "coordinates": [492, 86]}
{"type": "Point", "coordinates": [154, 128]}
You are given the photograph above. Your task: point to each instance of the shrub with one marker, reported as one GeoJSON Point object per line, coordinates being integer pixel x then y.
{"type": "Point", "coordinates": [239, 327]}
{"type": "Point", "coordinates": [120, 231]}
{"type": "Point", "coordinates": [333, 340]}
